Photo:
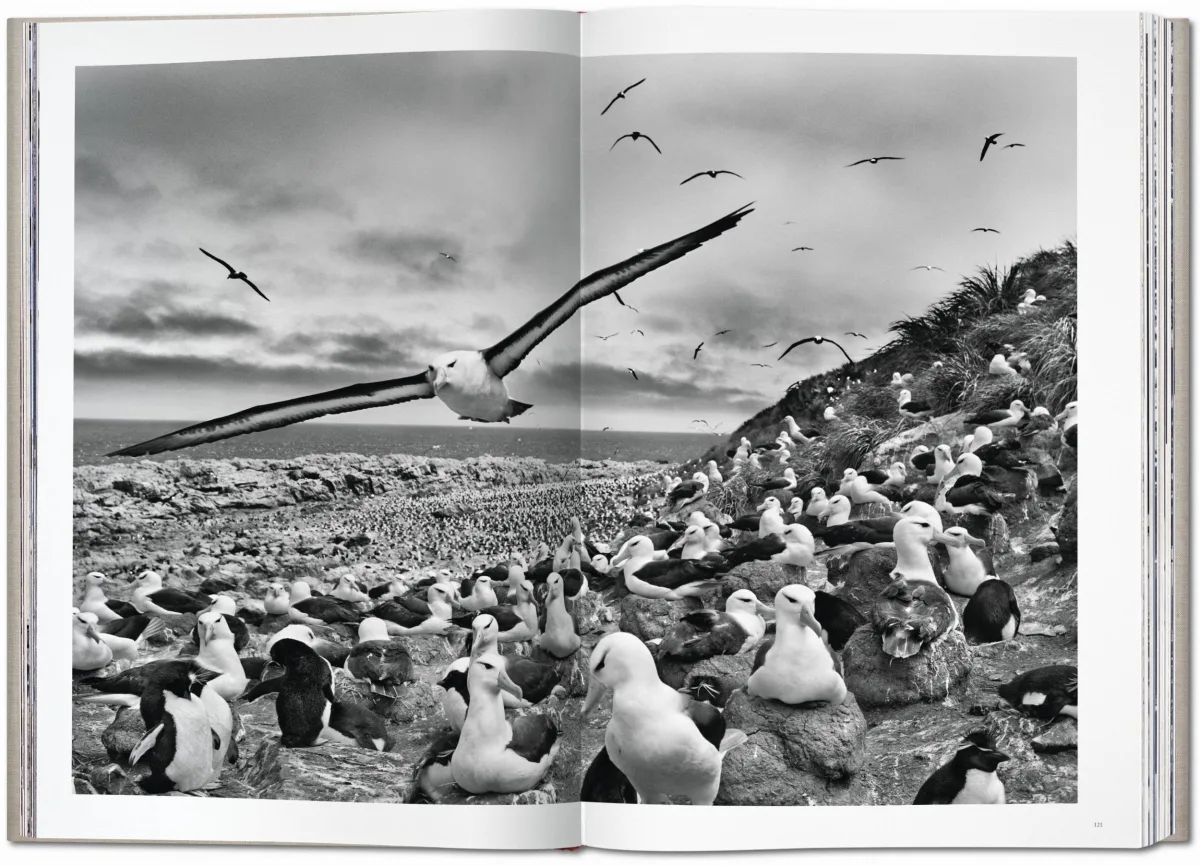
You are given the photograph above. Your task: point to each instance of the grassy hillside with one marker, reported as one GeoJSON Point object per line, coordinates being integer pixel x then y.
{"type": "Point", "coordinates": [963, 331]}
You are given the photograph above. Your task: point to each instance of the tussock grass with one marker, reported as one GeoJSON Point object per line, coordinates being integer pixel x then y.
{"type": "Point", "coordinates": [963, 331]}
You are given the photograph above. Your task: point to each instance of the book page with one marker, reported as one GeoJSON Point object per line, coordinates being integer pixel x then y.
{"type": "Point", "coordinates": [323, 220]}
{"type": "Point", "coordinates": [886, 353]}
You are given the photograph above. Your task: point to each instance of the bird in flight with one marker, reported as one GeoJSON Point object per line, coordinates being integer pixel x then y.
{"type": "Point", "coordinates": [769, 345]}
{"type": "Point", "coordinates": [696, 353]}
{"type": "Point", "coordinates": [633, 373]}
{"type": "Point", "coordinates": [798, 249]}
{"type": "Point", "coordinates": [872, 160]}
{"type": "Point", "coordinates": [855, 334]}
{"type": "Point", "coordinates": [997, 231]}
{"type": "Point", "coordinates": [234, 273]}
{"type": "Point", "coordinates": [621, 302]}
{"type": "Point", "coordinates": [620, 95]}
{"type": "Point", "coordinates": [609, 337]}
{"type": "Point", "coordinates": [448, 256]}
{"type": "Point", "coordinates": [789, 222]}
{"type": "Point", "coordinates": [926, 268]}
{"type": "Point", "coordinates": [818, 340]}
{"type": "Point", "coordinates": [760, 365]}
{"type": "Point", "coordinates": [637, 331]}
{"type": "Point", "coordinates": [711, 173]}
{"type": "Point", "coordinates": [469, 382]}
{"type": "Point", "coordinates": [635, 136]}
{"type": "Point", "coordinates": [609, 428]}
{"type": "Point", "coordinates": [719, 333]}
{"type": "Point", "coordinates": [988, 142]}
{"type": "Point", "coordinates": [1014, 144]}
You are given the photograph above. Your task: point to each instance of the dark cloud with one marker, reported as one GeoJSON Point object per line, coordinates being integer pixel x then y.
{"type": "Point", "coordinates": [121, 364]}
{"type": "Point", "coordinates": [96, 181]}
{"type": "Point", "coordinates": [152, 313]}
{"type": "Point", "coordinates": [248, 196]}
{"type": "Point", "coordinates": [409, 348]}
{"type": "Point", "coordinates": [600, 384]}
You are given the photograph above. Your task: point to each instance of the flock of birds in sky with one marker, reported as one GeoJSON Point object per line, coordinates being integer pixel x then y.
{"type": "Point", "coordinates": [661, 743]}
{"type": "Point", "coordinates": [471, 383]}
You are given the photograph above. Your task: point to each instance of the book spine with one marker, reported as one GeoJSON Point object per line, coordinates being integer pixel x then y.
{"type": "Point", "coordinates": [22, 278]}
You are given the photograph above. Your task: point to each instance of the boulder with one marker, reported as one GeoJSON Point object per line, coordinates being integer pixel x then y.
{"type": "Point", "coordinates": [1062, 737]}
{"type": "Point", "coordinates": [1066, 530]}
{"type": "Point", "coordinates": [991, 528]}
{"type": "Point", "coordinates": [877, 679]}
{"type": "Point", "coordinates": [764, 579]}
{"type": "Point", "coordinates": [793, 756]}
{"type": "Point", "coordinates": [863, 576]}
{"type": "Point", "coordinates": [723, 675]}
{"type": "Point", "coordinates": [652, 618]}
{"type": "Point", "coordinates": [330, 772]}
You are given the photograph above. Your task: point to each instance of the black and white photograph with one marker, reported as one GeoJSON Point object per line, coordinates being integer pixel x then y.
{"type": "Point", "coordinates": [499, 427]}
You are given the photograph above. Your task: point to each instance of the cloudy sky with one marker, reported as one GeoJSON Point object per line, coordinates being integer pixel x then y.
{"type": "Point", "coordinates": [336, 182]}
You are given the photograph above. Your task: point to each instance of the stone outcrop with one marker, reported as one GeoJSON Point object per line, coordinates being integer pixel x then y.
{"type": "Point", "coordinates": [877, 679]}
{"type": "Point", "coordinates": [794, 756]}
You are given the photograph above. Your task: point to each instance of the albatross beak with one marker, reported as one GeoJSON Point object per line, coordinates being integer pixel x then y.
{"type": "Point", "coordinates": [436, 376]}
{"type": "Point", "coordinates": [622, 555]}
{"type": "Point", "coordinates": [976, 542]}
{"type": "Point", "coordinates": [506, 683]}
{"type": "Point", "coordinates": [595, 692]}
{"type": "Point", "coordinates": [950, 540]}
{"type": "Point", "coordinates": [763, 609]}
{"type": "Point", "coordinates": [91, 632]}
{"type": "Point", "coordinates": [809, 619]}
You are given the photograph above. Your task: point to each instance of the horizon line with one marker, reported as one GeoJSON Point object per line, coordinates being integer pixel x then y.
{"type": "Point", "coordinates": [184, 422]}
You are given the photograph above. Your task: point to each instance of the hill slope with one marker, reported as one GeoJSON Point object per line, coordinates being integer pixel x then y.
{"type": "Point", "coordinates": [963, 331]}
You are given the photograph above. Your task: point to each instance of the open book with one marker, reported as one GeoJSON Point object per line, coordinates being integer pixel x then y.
{"type": "Point", "coordinates": [614, 418]}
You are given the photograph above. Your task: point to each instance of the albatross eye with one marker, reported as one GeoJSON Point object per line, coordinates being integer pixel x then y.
{"type": "Point", "coordinates": [452, 363]}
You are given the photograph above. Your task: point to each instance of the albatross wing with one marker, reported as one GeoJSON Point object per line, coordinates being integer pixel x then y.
{"type": "Point", "coordinates": [271, 415]}
{"type": "Point", "coordinates": [506, 356]}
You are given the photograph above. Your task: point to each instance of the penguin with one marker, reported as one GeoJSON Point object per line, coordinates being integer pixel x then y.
{"type": "Point", "coordinates": [969, 778]}
{"type": "Point", "coordinates": [604, 783]}
{"type": "Point", "coordinates": [992, 613]}
{"type": "Point", "coordinates": [1045, 693]}
{"type": "Point", "coordinates": [180, 744]}
{"type": "Point", "coordinates": [432, 777]}
{"type": "Point", "coordinates": [307, 713]}
{"type": "Point", "coordinates": [88, 651]}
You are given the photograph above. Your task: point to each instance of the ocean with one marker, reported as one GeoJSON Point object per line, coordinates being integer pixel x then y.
{"type": "Point", "coordinates": [94, 438]}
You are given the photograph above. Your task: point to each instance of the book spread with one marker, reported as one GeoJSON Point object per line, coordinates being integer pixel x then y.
{"type": "Point", "coordinates": [610, 417]}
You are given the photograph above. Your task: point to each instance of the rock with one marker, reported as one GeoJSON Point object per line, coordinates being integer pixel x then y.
{"type": "Point", "coordinates": [1066, 531]}
{"type": "Point", "coordinates": [764, 579]}
{"type": "Point", "coordinates": [1062, 737]}
{"type": "Point", "coordinates": [793, 756]}
{"type": "Point", "coordinates": [877, 679]}
{"type": "Point", "coordinates": [1044, 551]}
{"type": "Point", "coordinates": [330, 772]}
{"type": "Point", "coordinates": [991, 528]}
{"type": "Point", "coordinates": [652, 618]}
{"type": "Point", "coordinates": [122, 736]}
{"type": "Point", "coordinates": [428, 650]}
{"type": "Point", "coordinates": [864, 575]}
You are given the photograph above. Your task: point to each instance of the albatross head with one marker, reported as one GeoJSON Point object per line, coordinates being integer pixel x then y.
{"type": "Point", "coordinates": [797, 602]}
{"type": "Point", "coordinates": [459, 370]}
{"type": "Point", "coordinates": [618, 658]}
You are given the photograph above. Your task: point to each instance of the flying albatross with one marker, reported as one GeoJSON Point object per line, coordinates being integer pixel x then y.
{"type": "Point", "coordinates": [818, 340]}
{"type": "Point", "coordinates": [235, 274]}
{"type": "Point", "coordinates": [470, 382]}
